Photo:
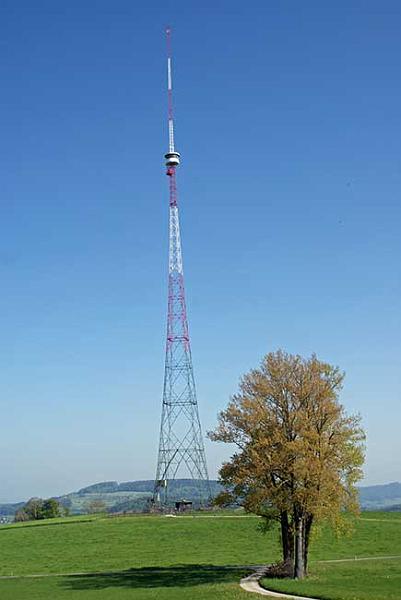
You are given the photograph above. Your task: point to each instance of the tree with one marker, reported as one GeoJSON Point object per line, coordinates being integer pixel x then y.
{"type": "Point", "coordinates": [37, 508]}
{"type": "Point", "coordinates": [34, 509]}
{"type": "Point", "coordinates": [21, 516]}
{"type": "Point", "coordinates": [51, 509]}
{"type": "Point", "coordinates": [298, 454]}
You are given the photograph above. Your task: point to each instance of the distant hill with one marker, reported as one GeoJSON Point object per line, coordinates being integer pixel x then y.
{"type": "Point", "coordinates": [118, 497]}
{"type": "Point", "coordinates": [9, 510]}
{"type": "Point", "coordinates": [381, 497]}
{"type": "Point", "coordinates": [133, 496]}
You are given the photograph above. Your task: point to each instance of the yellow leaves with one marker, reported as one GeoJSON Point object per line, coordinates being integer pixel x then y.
{"type": "Point", "coordinates": [296, 444]}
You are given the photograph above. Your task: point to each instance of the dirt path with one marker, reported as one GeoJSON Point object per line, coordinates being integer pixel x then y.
{"type": "Point", "coordinates": [258, 573]}
{"type": "Point", "coordinates": [358, 558]}
{"type": "Point", "coordinates": [381, 520]}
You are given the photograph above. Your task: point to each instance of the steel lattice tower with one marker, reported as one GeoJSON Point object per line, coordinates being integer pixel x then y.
{"type": "Point", "coordinates": [181, 446]}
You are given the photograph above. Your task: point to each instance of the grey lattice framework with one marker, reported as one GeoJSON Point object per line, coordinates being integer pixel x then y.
{"type": "Point", "coordinates": [181, 449]}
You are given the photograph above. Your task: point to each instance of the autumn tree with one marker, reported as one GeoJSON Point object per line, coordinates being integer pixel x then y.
{"type": "Point", "coordinates": [299, 455]}
{"type": "Point", "coordinates": [20, 516]}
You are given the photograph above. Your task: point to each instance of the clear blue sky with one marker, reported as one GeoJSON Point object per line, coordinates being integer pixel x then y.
{"type": "Point", "coordinates": [288, 121]}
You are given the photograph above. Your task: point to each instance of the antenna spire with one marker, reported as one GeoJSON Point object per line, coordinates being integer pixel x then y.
{"type": "Point", "coordinates": [172, 157]}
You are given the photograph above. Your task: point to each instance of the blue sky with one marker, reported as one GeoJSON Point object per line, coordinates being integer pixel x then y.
{"type": "Point", "coordinates": [288, 121]}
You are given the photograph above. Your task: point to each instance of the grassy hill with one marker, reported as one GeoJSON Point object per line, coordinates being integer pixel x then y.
{"type": "Point", "coordinates": [128, 496]}
{"type": "Point", "coordinates": [133, 496]}
{"type": "Point", "coordinates": [187, 558]}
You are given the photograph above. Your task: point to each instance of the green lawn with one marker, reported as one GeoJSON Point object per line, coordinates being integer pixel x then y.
{"type": "Point", "coordinates": [370, 580]}
{"type": "Point", "coordinates": [201, 558]}
{"type": "Point", "coordinates": [377, 535]}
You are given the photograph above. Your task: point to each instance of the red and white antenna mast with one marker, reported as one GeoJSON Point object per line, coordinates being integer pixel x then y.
{"type": "Point", "coordinates": [181, 450]}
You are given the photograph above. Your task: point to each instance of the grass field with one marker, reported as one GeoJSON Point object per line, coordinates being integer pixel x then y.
{"type": "Point", "coordinates": [370, 580]}
{"type": "Point", "coordinates": [200, 558]}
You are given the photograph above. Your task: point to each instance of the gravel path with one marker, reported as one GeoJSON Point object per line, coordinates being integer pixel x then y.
{"type": "Point", "coordinates": [251, 584]}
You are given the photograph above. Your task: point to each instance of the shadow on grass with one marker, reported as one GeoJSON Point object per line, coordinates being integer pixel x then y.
{"type": "Point", "coordinates": [155, 577]}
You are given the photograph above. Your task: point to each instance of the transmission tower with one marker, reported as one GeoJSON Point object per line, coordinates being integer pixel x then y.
{"type": "Point", "coordinates": [181, 449]}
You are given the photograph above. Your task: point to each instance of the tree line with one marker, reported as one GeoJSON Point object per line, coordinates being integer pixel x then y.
{"type": "Point", "coordinates": [37, 508]}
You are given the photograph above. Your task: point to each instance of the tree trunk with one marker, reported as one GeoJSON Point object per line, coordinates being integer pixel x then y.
{"type": "Point", "coordinates": [308, 527]}
{"type": "Point", "coordinates": [299, 571]}
{"type": "Point", "coordinates": [287, 542]}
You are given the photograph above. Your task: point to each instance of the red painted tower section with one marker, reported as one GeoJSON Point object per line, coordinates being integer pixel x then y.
{"type": "Point", "coordinates": [181, 449]}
